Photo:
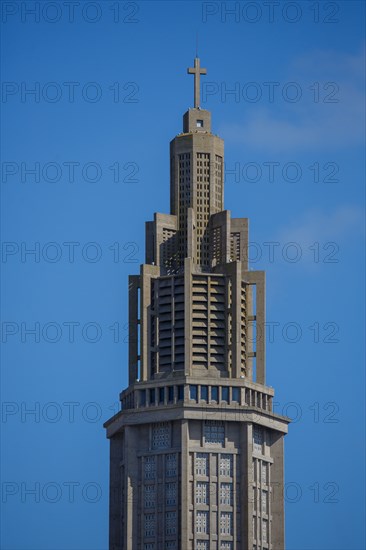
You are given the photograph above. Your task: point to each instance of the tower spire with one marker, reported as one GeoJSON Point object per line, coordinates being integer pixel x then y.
{"type": "Point", "coordinates": [196, 71]}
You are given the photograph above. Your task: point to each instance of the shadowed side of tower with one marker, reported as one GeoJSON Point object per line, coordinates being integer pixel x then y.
{"type": "Point", "coordinates": [196, 457]}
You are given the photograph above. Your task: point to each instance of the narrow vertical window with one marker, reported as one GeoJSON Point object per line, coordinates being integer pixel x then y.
{"type": "Point", "coordinates": [204, 393]}
{"type": "Point", "coordinates": [225, 394]}
{"type": "Point", "coordinates": [142, 398]}
{"type": "Point", "coordinates": [193, 392]}
{"type": "Point", "coordinates": [264, 502]}
{"type": "Point", "coordinates": [152, 396]}
{"type": "Point", "coordinates": [264, 473]}
{"type": "Point", "coordinates": [215, 393]}
{"type": "Point", "coordinates": [236, 395]}
{"type": "Point", "coordinates": [264, 531]}
{"type": "Point", "coordinates": [258, 438]}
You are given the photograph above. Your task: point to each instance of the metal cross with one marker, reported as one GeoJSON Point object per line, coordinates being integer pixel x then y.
{"type": "Point", "coordinates": [197, 71]}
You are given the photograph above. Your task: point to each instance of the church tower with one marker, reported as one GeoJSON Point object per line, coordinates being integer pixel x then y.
{"type": "Point", "coordinates": [196, 452]}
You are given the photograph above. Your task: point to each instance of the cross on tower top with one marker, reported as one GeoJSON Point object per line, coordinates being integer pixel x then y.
{"type": "Point", "coordinates": [197, 71]}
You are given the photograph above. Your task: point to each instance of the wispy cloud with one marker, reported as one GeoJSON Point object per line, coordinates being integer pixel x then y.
{"type": "Point", "coordinates": [319, 226]}
{"type": "Point", "coordinates": [308, 125]}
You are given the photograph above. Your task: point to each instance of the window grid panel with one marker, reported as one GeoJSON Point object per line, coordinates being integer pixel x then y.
{"type": "Point", "coordinates": [149, 525]}
{"type": "Point", "coordinates": [226, 494]}
{"type": "Point", "coordinates": [171, 494]}
{"type": "Point", "coordinates": [226, 465]}
{"type": "Point", "coordinates": [170, 523]}
{"type": "Point", "coordinates": [214, 432]}
{"type": "Point", "coordinates": [161, 435]}
{"type": "Point", "coordinates": [202, 492]}
{"type": "Point", "coordinates": [202, 522]}
{"type": "Point", "coordinates": [150, 496]}
{"type": "Point", "coordinates": [226, 523]}
{"type": "Point", "coordinates": [258, 438]}
{"type": "Point", "coordinates": [171, 465]}
{"type": "Point", "coordinates": [201, 464]}
{"type": "Point", "coordinates": [150, 467]}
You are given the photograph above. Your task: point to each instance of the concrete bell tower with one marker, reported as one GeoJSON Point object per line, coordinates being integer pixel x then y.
{"type": "Point", "coordinates": [196, 451]}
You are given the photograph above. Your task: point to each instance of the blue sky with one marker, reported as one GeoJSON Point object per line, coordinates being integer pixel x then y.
{"type": "Point", "coordinates": [285, 88]}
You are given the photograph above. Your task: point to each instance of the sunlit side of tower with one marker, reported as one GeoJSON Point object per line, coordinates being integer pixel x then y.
{"type": "Point", "coordinates": [196, 459]}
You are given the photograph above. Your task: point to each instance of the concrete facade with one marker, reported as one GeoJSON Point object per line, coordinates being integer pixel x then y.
{"type": "Point", "coordinates": [196, 459]}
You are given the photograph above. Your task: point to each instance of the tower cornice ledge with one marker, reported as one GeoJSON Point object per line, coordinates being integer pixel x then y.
{"type": "Point", "coordinates": [189, 412]}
